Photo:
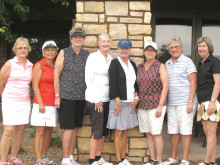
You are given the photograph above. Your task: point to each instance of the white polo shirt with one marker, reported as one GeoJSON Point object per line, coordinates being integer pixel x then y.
{"type": "Point", "coordinates": [96, 77]}
{"type": "Point", "coordinates": [179, 84]}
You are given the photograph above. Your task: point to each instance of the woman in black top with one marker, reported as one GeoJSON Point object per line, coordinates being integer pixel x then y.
{"type": "Point", "coordinates": [124, 99]}
{"type": "Point", "coordinates": [208, 95]}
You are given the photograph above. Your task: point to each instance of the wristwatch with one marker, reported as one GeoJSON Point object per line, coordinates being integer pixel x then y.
{"type": "Point", "coordinates": [213, 100]}
{"type": "Point", "coordinates": [57, 95]}
{"type": "Point", "coordinates": [136, 98]}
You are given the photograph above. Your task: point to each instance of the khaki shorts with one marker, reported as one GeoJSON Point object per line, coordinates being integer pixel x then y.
{"type": "Point", "coordinates": [179, 121]}
{"type": "Point", "coordinates": [148, 122]}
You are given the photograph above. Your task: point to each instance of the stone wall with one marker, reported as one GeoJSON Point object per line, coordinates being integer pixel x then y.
{"type": "Point", "coordinates": [122, 20]}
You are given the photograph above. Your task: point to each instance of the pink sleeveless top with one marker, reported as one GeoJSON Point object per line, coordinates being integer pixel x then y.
{"type": "Point", "coordinates": [17, 87]}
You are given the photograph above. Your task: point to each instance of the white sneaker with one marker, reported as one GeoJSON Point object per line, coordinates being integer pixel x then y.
{"type": "Point", "coordinates": [126, 162]}
{"type": "Point", "coordinates": [184, 162]}
{"type": "Point", "coordinates": [150, 162]}
{"type": "Point", "coordinates": [203, 163]}
{"type": "Point", "coordinates": [170, 161]}
{"type": "Point", "coordinates": [73, 162]}
{"type": "Point", "coordinates": [62, 163]}
{"type": "Point", "coordinates": [102, 161]}
{"type": "Point", "coordinates": [121, 163]}
{"type": "Point", "coordinates": [94, 163]}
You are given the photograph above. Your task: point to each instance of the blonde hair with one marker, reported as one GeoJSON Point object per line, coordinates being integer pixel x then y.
{"type": "Point", "coordinates": [21, 40]}
{"type": "Point", "coordinates": [174, 40]}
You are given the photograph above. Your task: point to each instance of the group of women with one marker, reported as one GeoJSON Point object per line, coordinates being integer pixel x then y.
{"type": "Point", "coordinates": [119, 96]}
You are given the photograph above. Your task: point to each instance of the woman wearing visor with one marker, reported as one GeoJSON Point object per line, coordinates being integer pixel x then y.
{"type": "Point", "coordinates": [44, 112]}
{"type": "Point", "coordinates": [69, 84]}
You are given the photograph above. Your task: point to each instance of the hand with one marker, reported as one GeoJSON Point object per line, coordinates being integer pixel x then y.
{"type": "Point", "coordinates": [158, 111]}
{"type": "Point", "coordinates": [98, 106]}
{"type": "Point", "coordinates": [41, 108]}
{"type": "Point", "coordinates": [57, 102]}
{"type": "Point", "coordinates": [117, 108]}
{"type": "Point", "coordinates": [133, 106]}
{"type": "Point", "coordinates": [189, 107]}
{"type": "Point", "coordinates": [211, 108]}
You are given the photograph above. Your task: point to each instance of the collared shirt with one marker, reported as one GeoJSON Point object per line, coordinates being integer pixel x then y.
{"type": "Point", "coordinates": [17, 87]}
{"type": "Point", "coordinates": [179, 84]}
{"type": "Point", "coordinates": [205, 78]}
{"type": "Point", "coordinates": [130, 79]}
{"type": "Point", "coordinates": [96, 76]}
{"type": "Point", "coordinates": [72, 77]}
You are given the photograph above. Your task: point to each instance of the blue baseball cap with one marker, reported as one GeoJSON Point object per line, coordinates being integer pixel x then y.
{"type": "Point", "coordinates": [125, 43]}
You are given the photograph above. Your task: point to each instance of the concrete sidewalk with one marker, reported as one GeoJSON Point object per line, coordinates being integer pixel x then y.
{"type": "Point", "coordinates": [197, 152]}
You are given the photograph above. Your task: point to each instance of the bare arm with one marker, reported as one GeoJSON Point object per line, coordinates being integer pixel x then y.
{"type": "Point", "coordinates": [193, 82]}
{"type": "Point", "coordinates": [36, 76]}
{"type": "Point", "coordinates": [165, 84]}
{"type": "Point", "coordinates": [211, 108]}
{"type": "Point", "coordinates": [57, 72]}
{"type": "Point", "coordinates": [4, 74]}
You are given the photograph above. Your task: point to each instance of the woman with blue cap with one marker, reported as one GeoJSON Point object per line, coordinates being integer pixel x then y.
{"type": "Point", "coordinates": [124, 98]}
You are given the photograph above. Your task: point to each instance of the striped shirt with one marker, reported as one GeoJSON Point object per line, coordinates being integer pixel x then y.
{"type": "Point", "coordinates": [179, 84]}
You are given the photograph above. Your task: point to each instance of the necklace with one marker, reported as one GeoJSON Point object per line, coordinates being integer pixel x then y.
{"type": "Point", "coordinates": [51, 65]}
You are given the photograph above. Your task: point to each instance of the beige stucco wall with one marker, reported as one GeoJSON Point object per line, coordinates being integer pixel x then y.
{"type": "Point", "coordinates": [122, 20]}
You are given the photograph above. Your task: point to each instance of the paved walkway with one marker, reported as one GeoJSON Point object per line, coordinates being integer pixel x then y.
{"type": "Point", "coordinates": [197, 152]}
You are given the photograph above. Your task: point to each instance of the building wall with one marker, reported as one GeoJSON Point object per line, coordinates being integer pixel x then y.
{"type": "Point", "coordinates": [122, 20]}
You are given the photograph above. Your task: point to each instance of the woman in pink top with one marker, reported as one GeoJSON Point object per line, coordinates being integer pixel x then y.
{"type": "Point", "coordinates": [15, 78]}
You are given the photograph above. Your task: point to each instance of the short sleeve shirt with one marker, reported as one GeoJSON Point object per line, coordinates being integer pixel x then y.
{"type": "Point", "coordinates": [179, 84]}
{"type": "Point", "coordinates": [205, 78]}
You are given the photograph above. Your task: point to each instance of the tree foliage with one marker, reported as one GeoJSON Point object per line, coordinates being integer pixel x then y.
{"type": "Point", "coordinates": [15, 8]}
{"type": "Point", "coordinates": [164, 55]}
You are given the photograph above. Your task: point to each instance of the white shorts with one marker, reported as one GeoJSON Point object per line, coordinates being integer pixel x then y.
{"type": "Point", "coordinates": [49, 118]}
{"type": "Point", "coordinates": [148, 122]}
{"type": "Point", "coordinates": [15, 113]}
{"type": "Point", "coordinates": [179, 121]}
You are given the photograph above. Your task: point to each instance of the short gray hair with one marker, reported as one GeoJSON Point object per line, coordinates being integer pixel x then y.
{"type": "Point", "coordinates": [175, 40]}
{"type": "Point", "coordinates": [101, 35]}
{"type": "Point", "coordinates": [208, 41]}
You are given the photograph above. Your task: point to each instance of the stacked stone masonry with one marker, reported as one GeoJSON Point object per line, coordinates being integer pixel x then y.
{"type": "Point", "coordinates": [122, 20]}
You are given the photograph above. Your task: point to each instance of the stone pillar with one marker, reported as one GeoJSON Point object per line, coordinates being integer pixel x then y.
{"type": "Point", "coordinates": [122, 20]}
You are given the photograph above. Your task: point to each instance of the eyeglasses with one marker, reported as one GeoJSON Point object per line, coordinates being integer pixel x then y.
{"type": "Point", "coordinates": [149, 50]}
{"type": "Point", "coordinates": [21, 48]}
{"type": "Point", "coordinates": [174, 47]}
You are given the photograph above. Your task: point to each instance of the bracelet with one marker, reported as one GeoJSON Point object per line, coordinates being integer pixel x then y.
{"type": "Point", "coordinates": [136, 98]}
{"type": "Point", "coordinates": [189, 101]}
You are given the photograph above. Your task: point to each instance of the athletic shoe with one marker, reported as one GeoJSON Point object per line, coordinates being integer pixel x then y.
{"type": "Point", "coordinates": [157, 163]}
{"type": "Point", "coordinates": [184, 162]}
{"type": "Point", "coordinates": [16, 161]}
{"type": "Point", "coordinates": [46, 160]}
{"type": "Point", "coordinates": [102, 161]}
{"type": "Point", "coordinates": [94, 163]}
{"type": "Point", "coordinates": [126, 162]}
{"type": "Point", "coordinates": [204, 163]}
{"type": "Point", "coordinates": [73, 162]}
{"type": "Point", "coordinates": [171, 161]}
{"type": "Point", "coordinates": [150, 162]}
{"type": "Point", "coordinates": [38, 163]}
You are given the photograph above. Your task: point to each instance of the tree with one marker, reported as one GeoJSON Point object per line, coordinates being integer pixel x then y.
{"type": "Point", "coordinates": [164, 55]}
{"type": "Point", "coordinates": [10, 8]}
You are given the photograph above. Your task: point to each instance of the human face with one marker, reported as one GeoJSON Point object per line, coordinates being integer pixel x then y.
{"type": "Point", "coordinates": [22, 50]}
{"type": "Point", "coordinates": [203, 50]}
{"type": "Point", "coordinates": [124, 52]}
{"type": "Point", "coordinates": [50, 53]}
{"type": "Point", "coordinates": [104, 44]}
{"type": "Point", "coordinates": [150, 53]}
{"type": "Point", "coordinates": [77, 41]}
{"type": "Point", "coordinates": [175, 50]}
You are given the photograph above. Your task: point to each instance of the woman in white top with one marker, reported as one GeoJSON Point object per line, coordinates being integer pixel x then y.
{"type": "Point", "coordinates": [124, 99]}
{"type": "Point", "coordinates": [97, 97]}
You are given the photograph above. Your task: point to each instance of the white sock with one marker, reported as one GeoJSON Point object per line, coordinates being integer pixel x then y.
{"type": "Point", "coordinates": [71, 157]}
{"type": "Point", "coordinates": [66, 160]}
